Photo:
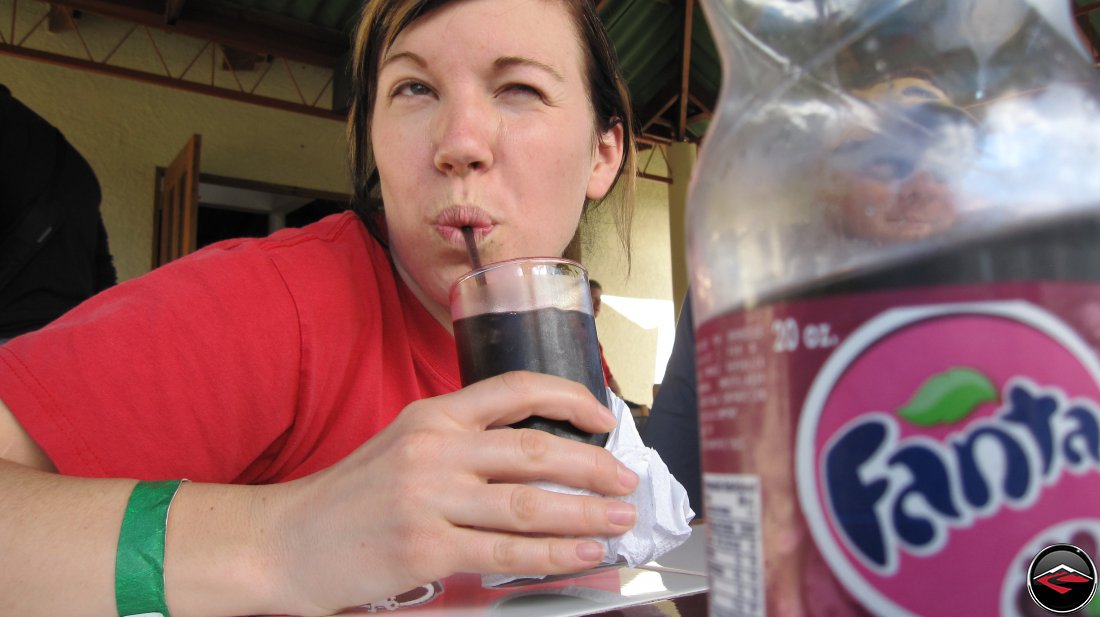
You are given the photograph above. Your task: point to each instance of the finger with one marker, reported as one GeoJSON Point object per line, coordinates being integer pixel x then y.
{"type": "Point", "coordinates": [511, 397]}
{"type": "Point", "coordinates": [526, 509]}
{"type": "Point", "coordinates": [490, 552]}
{"type": "Point", "coordinates": [525, 455]}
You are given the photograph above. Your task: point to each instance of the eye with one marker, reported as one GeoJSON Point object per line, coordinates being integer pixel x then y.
{"type": "Point", "coordinates": [522, 90]}
{"type": "Point", "coordinates": [888, 168]}
{"type": "Point", "coordinates": [411, 88]}
{"type": "Point", "coordinates": [920, 93]}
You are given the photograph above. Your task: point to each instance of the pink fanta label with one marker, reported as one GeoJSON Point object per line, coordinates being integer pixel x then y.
{"type": "Point", "coordinates": [940, 439]}
{"type": "Point", "coordinates": [899, 453]}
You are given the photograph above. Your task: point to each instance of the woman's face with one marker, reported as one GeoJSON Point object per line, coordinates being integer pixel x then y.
{"type": "Point", "coordinates": [886, 212]}
{"type": "Point", "coordinates": [482, 119]}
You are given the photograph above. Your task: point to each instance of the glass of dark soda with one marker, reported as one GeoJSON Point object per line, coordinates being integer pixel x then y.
{"type": "Point", "coordinates": [529, 314]}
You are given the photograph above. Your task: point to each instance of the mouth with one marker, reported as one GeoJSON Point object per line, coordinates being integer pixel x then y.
{"type": "Point", "coordinates": [449, 223]}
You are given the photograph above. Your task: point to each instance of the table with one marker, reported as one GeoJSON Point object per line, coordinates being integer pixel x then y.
{"type": "Point", "coordinates": [674, 585]}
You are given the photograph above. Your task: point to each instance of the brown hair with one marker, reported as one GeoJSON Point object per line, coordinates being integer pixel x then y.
{"type": "Point", "coordinates": [381, 21]}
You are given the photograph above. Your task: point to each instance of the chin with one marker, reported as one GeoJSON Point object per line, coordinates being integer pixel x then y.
{"type": "Point", "coordinates": [906, 231]}
{"type": "Point", "coordinates": [440, 287]}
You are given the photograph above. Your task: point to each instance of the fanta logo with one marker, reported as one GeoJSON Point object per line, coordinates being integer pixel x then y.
{"type": "Point", "coordinates": [938, 437]}
{"type": "Point", "coordinates": [888, 494]}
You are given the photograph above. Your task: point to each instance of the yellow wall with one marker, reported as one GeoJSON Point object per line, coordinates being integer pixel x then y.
{"type": "Point", "coordinates": [126, 129]}
{"type": "Point", "coordinates": [631, 348]}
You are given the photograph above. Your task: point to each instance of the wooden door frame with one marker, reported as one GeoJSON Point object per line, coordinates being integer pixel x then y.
{"type": "Point", "coordinates": [175, 217]}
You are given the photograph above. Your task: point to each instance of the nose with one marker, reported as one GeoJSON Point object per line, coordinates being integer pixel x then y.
{"type": "Point", "coordinates": [921, 184]}
{"type": "Point", "coordinates": [464, 132]}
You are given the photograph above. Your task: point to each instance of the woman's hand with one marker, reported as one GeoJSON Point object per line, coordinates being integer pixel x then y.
{"type": "Point", "coordinates": [436, 493]}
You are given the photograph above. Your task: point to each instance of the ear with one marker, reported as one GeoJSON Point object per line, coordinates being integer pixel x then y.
{"type": "Point", "coordinates": [605, 163]}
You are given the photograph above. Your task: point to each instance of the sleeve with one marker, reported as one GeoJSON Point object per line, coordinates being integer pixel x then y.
{"type": "Point", "coordinates": [607, 376]}
{"type": "Point", "coordinates": [190, 371]}
{"type": "Point", "coordinates": [673, 425]}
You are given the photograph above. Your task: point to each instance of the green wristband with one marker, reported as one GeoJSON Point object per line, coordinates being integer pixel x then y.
{"type": "Point", "coordinates": [139, 563]}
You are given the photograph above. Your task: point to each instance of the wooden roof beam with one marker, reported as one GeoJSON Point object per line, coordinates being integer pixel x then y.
{"type": "Point", "coordinates": [172, 11]}
{"type": "Point", "coordinates": [664, 123]}
{"type": "Point", "coordinates": [685, 68]}
{"type": "Point", "coordinates": [703, 107]}
{"type": "Point", "coordinates": [1084, 9]}
{"type": "Point", "coordinates": [706, 115]}
{"type": "Point", "coordinates": [170, 82]}
{"type": "Point", "coordinates": [649, 138]}
{"type": "Point", "coordinates": [1088, 34]}
{"type": "Point", "coordinates": [700, 94]}
{"type": "Point", "coordinates": [242, 29]}
{"type": "Point", "coordinates": [61, 19]}
{"type": "Point", "coordinates": [655, 116]}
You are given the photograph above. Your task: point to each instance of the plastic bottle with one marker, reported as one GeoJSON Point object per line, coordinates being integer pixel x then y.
{"type": "Point", "coordinates": [894, 245]}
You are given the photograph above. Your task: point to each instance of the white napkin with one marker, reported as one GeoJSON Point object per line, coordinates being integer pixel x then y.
{"type": "Point", "coordinates": [661, 501]}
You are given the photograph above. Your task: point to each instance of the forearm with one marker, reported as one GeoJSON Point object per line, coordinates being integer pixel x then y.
{"type": "Point", "coordinates": [60, 537]}
{"type": "Point", "coordinates": [367, 528]}
{"type": "Point", "coordinates": [223, 553]}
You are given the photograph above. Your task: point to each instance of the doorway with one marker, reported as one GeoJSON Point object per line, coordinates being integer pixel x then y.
{"type": "Point", "coordinates": [227, 210]}
{"type": "Point", "coordinates": [195, 209]}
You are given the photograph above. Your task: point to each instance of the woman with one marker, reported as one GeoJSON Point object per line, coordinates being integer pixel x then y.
{"type": "Point", "coordinates": [260, 369]}
{"type": "Point", "coordinates": [894, 183]}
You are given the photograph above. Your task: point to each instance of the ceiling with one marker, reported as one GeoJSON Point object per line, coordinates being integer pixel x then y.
{"type": "Point", "coordinates": [673, 85]}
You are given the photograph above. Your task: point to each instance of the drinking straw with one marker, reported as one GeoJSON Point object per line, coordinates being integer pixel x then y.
{"type": "Point", "coordinates": [471, 247]}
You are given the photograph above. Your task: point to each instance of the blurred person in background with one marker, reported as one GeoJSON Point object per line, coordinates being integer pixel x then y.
{"type": "Point", "coordinates": [597, 294]}
{"type": "Point", "coordinates": [53, 246]}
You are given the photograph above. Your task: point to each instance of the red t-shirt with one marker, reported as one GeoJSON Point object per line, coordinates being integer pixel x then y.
{"type": "Point", "coordinates": [250, 361]}
{"type": "Point", "coordinates": [603, 361]}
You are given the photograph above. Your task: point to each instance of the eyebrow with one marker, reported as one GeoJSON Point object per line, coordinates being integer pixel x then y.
{"type": "Point", "coordinates": [501, 63]}
{"type": "Point", "coordinates": [403, 54]}
{"type": "Point", "coordinates": [510, 61]}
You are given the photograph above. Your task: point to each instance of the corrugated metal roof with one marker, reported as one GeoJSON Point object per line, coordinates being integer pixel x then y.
{"type": "Point", "coordinates": [648, 36]}
{"type": "Point", "coordinates": [336, 15]}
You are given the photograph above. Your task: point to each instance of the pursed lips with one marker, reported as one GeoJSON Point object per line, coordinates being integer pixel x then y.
{"type": "Point", "coordinates": [449, 223]}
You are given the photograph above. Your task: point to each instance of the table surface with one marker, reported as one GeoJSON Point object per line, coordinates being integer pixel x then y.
{"type": "Point", "coordinates": [675, 584]}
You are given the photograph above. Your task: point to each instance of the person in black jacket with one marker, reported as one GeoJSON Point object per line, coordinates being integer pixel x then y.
{"type": "Point", "coordinates": [53, 245]}
{"type": "Point", "coordinates": [673, 425]}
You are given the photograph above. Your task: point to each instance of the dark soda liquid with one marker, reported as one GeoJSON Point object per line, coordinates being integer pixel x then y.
{"type": "Point", "coordinates": [1068, 250]}
{"type": "Point", "coordinates": [550, 340]}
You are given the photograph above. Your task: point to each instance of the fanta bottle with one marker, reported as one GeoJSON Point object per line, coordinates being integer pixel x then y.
{"type": "Point", "coordinates": [894, 245]}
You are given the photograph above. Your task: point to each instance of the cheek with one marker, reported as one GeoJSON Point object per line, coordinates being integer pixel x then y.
{"type": "Point", "coordinates": [398, 176]}
{"type": "Point", "coordinates": [859, 199]}
{"type": "Point", "coordinates": [547, 232]}
{"type": "Point", "coordinates": [564, 151]}
{"type": "Point", "coordinates": [391, 158]}
{"type": "Point", "coordinates": [864, 208]}
{"type": "Point", "coordinates": [557, 180]}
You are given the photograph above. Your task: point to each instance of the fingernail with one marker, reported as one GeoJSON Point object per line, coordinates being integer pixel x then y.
{"type": "Point", "coordinates": [620, 513]}
{"type": "Point", "coordinates": [608, 416]}
{"type": "Point", "coordinates": [627, 478]}
{"type": "Point", "coordinates": [590, 551]}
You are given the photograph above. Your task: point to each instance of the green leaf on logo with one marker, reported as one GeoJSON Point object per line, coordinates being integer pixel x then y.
{"type": "Point", "coordinates": [948, 397]}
